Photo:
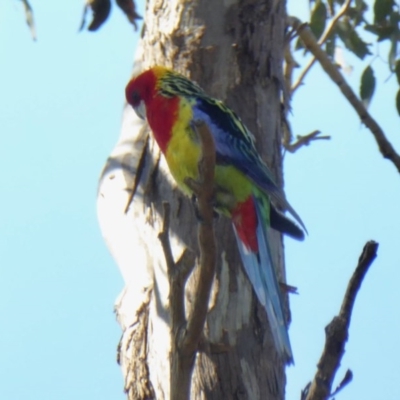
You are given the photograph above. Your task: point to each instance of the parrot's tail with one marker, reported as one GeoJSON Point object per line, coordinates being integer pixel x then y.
{"type": "Point", "coordinates": [257, 262]}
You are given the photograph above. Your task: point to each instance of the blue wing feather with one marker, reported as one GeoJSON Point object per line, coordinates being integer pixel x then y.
{"type": "Point", "coordinates": [235, 145]}
{"type": "Point", "coordinates": [234, 142]}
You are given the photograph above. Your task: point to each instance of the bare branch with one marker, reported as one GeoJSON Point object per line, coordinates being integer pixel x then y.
{"type": "Point", "coordinates": [187, 334]}
{"type": "Point", "coordinates": [310, 41]}
{"type": "Point", "coordinates": [287, 136]}
{"type": "Point", "coordinates": [176, 282]}
{"type": "Point", "coordinates": [289, 67]}
{"type": "Point", "coordinates": [164, 238]}
{"type": "Point", "coordinates": [181, 367]}
{"type": "Point", "coordinates": [205, 198]}
{"type": "Point", "coordinates": [139, 171]}
{"type": "Point", "coordinates": [305, 141]}
{"type": "Point", "coordinates": [321, 41]}
{"type": "Point", "coordinates": [348, 377]}
{"type": "Point", "coordinates": [185, 264]}
{"type": "Point", "coordinates": [337, 331]}
{"type": "Point", "coordinates": [177, 273]}
{"type": "Point", "coordinates": [368, 255]}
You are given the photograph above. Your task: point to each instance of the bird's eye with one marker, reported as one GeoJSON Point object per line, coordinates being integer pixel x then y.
{"type": "Point", "coordinates": [136, 98]}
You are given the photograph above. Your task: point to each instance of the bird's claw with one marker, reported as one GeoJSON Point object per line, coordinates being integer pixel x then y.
{"type": "Point", "coordinates": [197, 212]}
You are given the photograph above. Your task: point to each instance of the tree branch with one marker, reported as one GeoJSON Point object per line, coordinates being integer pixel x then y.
{"type": "Point", "coordinates": [310, 42]}
{"type": "Point", "coordinates": [337, 331]}
{"type": "Point", "coordinates": [305, 141]}
{"type": "Point", "coordinates": [177, 274]}
{"type": "Point", "coordinates": [205, 198]}
{"type": "Point", "coordinates": [186, 334]}
{"type": "Point", "coordinates": [139, 170]}
{"type": "Point", "coordinates": [321, 41]}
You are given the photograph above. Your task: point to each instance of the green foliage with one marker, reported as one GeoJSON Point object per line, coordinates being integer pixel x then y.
{"type": "Point", "coordinates": [354, 19]}
{"type": "Point", "coordinates": [317, 24]}
{"type": "Point", "coordinates": [318, 18]}
{"type": "Point", "coordinates": [398, 102]}
{"type": "Point", "coordinates": [367, 87]}
{"type": "Point", "coordinates": [382, 32]}
{"type": "Point", "coordinates": [330, 46]}
{"type": "Point", "coordinates": [100, 10]}
{"type": "Point", "coordinates": [397, 70]}
{"type": "Point", "coordinates": [351, 39]}
{"type": "Point", "coordinates": [382, 10]}
{"type": "Point", "coordinates": [356, 12]}
{"type": "Point", "coordinates": [29, 18]}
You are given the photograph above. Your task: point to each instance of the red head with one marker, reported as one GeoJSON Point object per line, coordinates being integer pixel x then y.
{"type": "Point", "coordinates": [141, 89]}
{"type": "Point", "coordinates": [142, 93]}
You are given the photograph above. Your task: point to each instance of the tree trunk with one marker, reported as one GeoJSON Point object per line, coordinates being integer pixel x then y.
{"type": "Point", "coordinates": [234, 50]}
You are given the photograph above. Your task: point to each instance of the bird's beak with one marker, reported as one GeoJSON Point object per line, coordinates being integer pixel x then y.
{"type": "Point", "coordinates": [140, 110]}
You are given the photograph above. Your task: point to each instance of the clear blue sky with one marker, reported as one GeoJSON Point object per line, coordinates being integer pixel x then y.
{"type": "Point", "coordinates": [61, 101]}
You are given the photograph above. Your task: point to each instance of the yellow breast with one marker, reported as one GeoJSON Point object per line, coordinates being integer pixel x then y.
{"type": "Point", "coordinates": [183, 153]}
{"type": "Point", "coordinates": [183, 150]}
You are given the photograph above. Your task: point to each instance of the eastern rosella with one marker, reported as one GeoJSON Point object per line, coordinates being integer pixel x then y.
{"type": "Point", "coordinates": [244, 184]}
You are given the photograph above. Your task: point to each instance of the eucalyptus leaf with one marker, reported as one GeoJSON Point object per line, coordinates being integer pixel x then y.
{"type": "Point", "coordinates": [367, 87]}
{"type": "Point", "coordinates": [351, 39]}
{"type": "Point", "coordinates": [397, 70]}
{"type": "Point", "coordinates": [382, 9]}
{"type": "Point", "coordinates": [392, 54]}
{"type": "Point", "coordinates": [398, 102]}
{"type": "Point", "coordinates": [330, 45]}
{"type": "Point", "coordinates": [318, 18]}
{"type": "Point", "coordinates": [29, 18]}
{"type": "Point", "coordinates": [383, 32]}
{"type": "Point", "coordinates": [129, 9]}
{"type": "Point", "coordinates": [100, 10]}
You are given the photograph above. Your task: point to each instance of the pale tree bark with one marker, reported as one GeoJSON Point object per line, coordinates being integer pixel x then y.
{"type": "Point", "coordinates": [234, 50]}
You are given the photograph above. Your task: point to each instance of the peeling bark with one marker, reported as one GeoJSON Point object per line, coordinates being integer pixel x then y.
{"type": "Point", "coordinates": [234, 50]}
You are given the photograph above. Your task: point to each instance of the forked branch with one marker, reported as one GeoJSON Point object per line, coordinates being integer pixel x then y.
{"type": "Point", "coordinates": [204, 191]}
{"type": "Point", "coordinates": [311, 43]}
{"type": "Point", "coordinates": [328, 30]}
{"type": "Point", "coordinates": [186, 333]}
{"type": "Point", "coordinates": [338, 330]}
{"type": "Point", "coordinates": [305, 141]}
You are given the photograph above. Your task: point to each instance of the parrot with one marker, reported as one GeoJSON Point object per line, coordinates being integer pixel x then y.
{"type": "Point", "coordinates": [245, 189]}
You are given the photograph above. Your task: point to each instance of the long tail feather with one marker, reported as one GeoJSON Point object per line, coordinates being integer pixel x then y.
{"type": "Point", "coordinates": [261, 273]}
{"type": "Point", "coordinates": [280, 222]}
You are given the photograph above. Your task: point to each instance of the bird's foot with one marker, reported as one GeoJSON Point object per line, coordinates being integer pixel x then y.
{"type": "Point", "coordinates": [197, 212]}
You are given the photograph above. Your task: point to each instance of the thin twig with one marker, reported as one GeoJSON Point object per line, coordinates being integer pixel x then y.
{"type": "Point", "coordinates": [139, 171]}
{"type": "Point", "coordinates": [176, 281]}
{"type": "Point", "coordinates": [177, 275]}
{"type": "Point", "coordinates": [310, 41]}
{"type": "Point", "coordinates": [348, 377]}
{"type": "Point", "coordinates": [205, 198]}
{"type": "Point", "coordinates": [321, 41]}
{"type": "Point", "coordinates": [164, 238]}
{"type": "Point", "coordinates": [290, 65]}
{"type": "Point", "coordinates": [186, 335]}
{"type": "Point", "coordinates": [367, 256]}
{"type": "Point", "coordinates": [337, 331]}
{"type": "Point", "coordinates": [305, 141]}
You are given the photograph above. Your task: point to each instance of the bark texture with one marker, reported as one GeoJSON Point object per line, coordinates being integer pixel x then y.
{"type": "Point", "coordinates": [234, 50]}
